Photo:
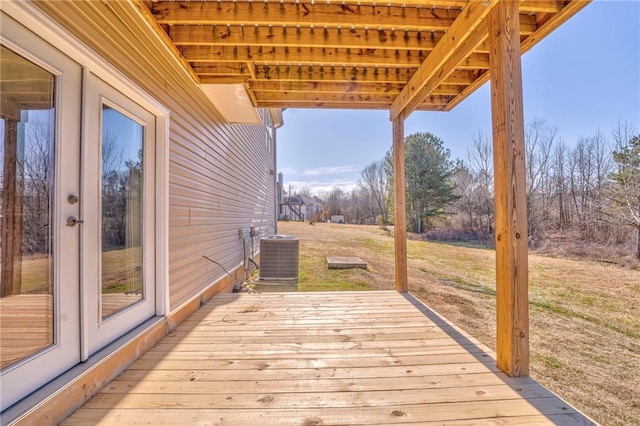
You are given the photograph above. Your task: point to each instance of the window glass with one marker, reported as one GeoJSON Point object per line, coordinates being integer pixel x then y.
{"type": "Point", "coordinates": [122, 178]}
{"type": "Point", "coordinates": [27, 145]}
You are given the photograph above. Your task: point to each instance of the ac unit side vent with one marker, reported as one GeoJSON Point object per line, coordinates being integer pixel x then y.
{"type": "Point", "coordinates": [279, 257]}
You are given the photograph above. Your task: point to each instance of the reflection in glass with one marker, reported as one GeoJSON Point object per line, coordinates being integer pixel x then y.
{"type": "Point", "coordinates": [27, 131]}
{"type": "Point", "coordinates": [122, 140]}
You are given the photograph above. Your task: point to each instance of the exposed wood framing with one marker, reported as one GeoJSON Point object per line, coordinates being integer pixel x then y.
{"type": "Point", "coordinates": [400, 206]}
{"type": "Point", "coordinates": [422, 46]}
{"type": "Point", "coordinates": [319, 14]}
{"type": "Point", "coordinates": [510, 196]}
{"type": "Point", "coordinates": [546, 26]}
{"type": "Point", "coordinates": [465, 34]}
{"type": "Point", "coordinates": [10, 278]}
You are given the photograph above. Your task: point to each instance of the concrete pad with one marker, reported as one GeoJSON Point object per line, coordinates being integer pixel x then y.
{"type": "Point", "coordinates": [346, 263]}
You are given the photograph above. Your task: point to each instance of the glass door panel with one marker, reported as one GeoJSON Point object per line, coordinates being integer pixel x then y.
{"type": "Point", "coordinates": [27, 150]}
{"type": "Point", "coordinates": [122, 190]}
{"type": "Point", "coordinates": [118, 235]}
{"type": "Point", "coordinates": [40, 114]}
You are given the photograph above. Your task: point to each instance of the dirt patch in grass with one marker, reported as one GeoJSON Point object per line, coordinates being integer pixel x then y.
{"type": "Point", "coordinates": [584, 315]}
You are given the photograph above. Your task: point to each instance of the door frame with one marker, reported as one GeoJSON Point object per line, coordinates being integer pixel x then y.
{"type": "Point", "coordinates": [98, 331]}
{"type": "Point", "coordinates": [41, 25]}
{"type": "Point", "coordinates": [46, 363]}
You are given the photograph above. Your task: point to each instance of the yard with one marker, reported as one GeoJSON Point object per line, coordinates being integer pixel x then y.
{"type": "Point", "coordinates": [585, 316]}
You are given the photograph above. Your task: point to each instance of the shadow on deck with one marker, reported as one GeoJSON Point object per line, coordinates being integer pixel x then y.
{"type": "Point", "coordinates": [317, 359]}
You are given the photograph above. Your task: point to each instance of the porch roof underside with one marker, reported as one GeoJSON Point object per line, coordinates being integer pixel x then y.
{"type": "Point", "coordinates": [375, 357]}
{"type": "Point", "coordinates": [401, 55]}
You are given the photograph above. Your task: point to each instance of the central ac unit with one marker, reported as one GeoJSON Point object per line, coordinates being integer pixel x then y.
{"type": "Point", "coordinates": [279, 258]}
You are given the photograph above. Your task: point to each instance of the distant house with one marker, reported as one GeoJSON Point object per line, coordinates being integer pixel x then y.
{"type": "Point", "coordinates": [337, 218]}
{"type": "Point", "coordinates": [302, 208]}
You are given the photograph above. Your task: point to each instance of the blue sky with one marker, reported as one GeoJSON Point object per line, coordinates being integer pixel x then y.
{"type": "Point", "coordinates": [583, 77]}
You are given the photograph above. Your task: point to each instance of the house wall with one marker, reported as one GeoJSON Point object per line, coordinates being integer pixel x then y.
{"type": "Point", "coordinates": [220, 175]}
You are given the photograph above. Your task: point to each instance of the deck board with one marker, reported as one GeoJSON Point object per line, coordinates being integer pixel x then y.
{"type": "Point", "coordinates": [320, 358]}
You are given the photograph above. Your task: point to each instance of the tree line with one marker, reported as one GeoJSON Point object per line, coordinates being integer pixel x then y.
{"type": "Point", "coordinates": [585, 192]}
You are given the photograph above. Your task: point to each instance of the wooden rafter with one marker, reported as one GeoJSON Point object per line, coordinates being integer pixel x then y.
{"type": "Point", "coordinates": [426, 47]}
{"type": "Point", "coordinates": [549, 24]}
{"type": "Point", "coordinates": [464, 35]}
{"type": "Point", "coordinates": [390, 89]}
{"type": "Point", "coordinates": [307, 14]}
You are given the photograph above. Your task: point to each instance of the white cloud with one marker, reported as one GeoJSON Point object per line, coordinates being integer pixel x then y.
{"type": "Point", "coordinates": [318, 187]}
{"type": "Point", "coordinates": [288, 171]}
{"type": "Point", "coordinates": [330, 170]}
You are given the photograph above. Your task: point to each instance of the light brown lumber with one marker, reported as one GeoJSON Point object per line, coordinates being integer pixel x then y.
{"type": "Point", "coordinates": [10, 252]}
{"type": "Point", "coordinates": [466, 32]}
{"type": "Point", "coordinates": [323, 346]}
{"type": "Point", "coordinates": [339, 415]}
{"type": "Point", "coordinates": [266, 374]}
{"type": "Point", "coordinates": [303, 14]}
{"type": "Point", "coordinates": [566, 12]}
{"type": "Point", "coordinates": [308, 385]}
{"type": "Point", "coordinates": [240, 363]}
{"type": "Point", "coordinates": [316, 400]}
{"type": "Point", "coordinates": [400, 206]}
{"type": "Point", "coordinates": [510, 191]}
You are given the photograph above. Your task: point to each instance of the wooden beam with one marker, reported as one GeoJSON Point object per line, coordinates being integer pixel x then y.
{"type": "Point", "coordinates": [510, 191]}
{"type": "Point", "coordinates": [526, 6]}
{"type": "Point", "coordinates": [316, 73]}
{"type": "Point", "coordinates": [333, 73]}
{"type": "Point", "coordinates": [329, 56]}
{"type": "Point", "coordinates": [329, 86]}
{"type": "Point", "coordinates": [224, 79]}
{"type": "Point", "coordinates": [543, 30]}
{"type": "Point", "coordinates": [400, 205]}
{"type": "Point", "coordinates": [364, 105]}
{"type": "Point", "coordinates": [303, 14]}
{"type": "Point", "coordinates": [467, 32]}
{"type": "Point", "coordinates": [10, 276]}
{"type": "Point", "coordinates": [354, 38]}
{"type": "Point", "coordinates": [348, 98]}
{"type": "Point", "coordinates": [326, 56]}
{"type": "Point", "coordinates": [361, 87]}
{"type": "Point", "coordinates": [150, 20]}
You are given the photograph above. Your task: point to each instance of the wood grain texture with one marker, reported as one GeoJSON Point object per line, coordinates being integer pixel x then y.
{"type": "Point", "coordinates": [26, 326]}
{"type": "Point", "coordinates": [465, 34]}
{"type": "Point", "coordinates": [400, 205]}
{"type": "Point", "coordinates": [510, 191]}
{"type": "Point", "coordinates": [228, 364]}
{"type": "Point", "coordinates": [441, 37]}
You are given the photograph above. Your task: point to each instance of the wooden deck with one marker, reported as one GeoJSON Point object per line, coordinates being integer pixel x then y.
{"type": "Point", "coordinates": [26, 326]}
{"type": "Point", "coordinates": [320, 358]}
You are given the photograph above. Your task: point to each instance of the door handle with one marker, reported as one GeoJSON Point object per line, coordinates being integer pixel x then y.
{"type": "Point", "coordinates": [72, 221]}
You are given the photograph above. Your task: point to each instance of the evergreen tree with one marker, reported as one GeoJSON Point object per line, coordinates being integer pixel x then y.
{"type": "Point", "coordinates": [429, 178]}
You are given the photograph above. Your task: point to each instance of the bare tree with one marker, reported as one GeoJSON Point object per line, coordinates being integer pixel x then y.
{"type": "Point", "coordinates": [625, 193]}
{"type": "Point", "coordinates": [539, 140]}
{"type": "Point", "coordinates": [374, 182]}
{"type": "Point", "coordinates": [480, 157]}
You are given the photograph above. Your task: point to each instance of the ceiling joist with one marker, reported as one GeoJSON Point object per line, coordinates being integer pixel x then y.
{"type": "Point", "coordinates": [303, 14]}
{"type": "Point", "coordinates": [468, 31]}
{"type": "Point", "coordinates": [345, 53]}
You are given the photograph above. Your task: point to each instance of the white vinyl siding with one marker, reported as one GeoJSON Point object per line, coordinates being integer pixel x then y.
{"type": "Point", "coordinates": [220, 179]}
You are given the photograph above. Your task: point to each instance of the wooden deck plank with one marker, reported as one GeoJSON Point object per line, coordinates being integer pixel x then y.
{"type": "Point", "coordinates": [315, 399]}
{"type": "Point", "coordinates": [475, 410]}
{"type": "Point", "coordinates": [320, 358]}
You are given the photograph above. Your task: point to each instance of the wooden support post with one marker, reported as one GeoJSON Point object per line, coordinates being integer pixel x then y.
{"type": "Point", "coordinates": [399, 190]}
{"type": "Point", "coordinates": [510, 196]}
{"type": "Point", "coordinates": [11, 232]}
